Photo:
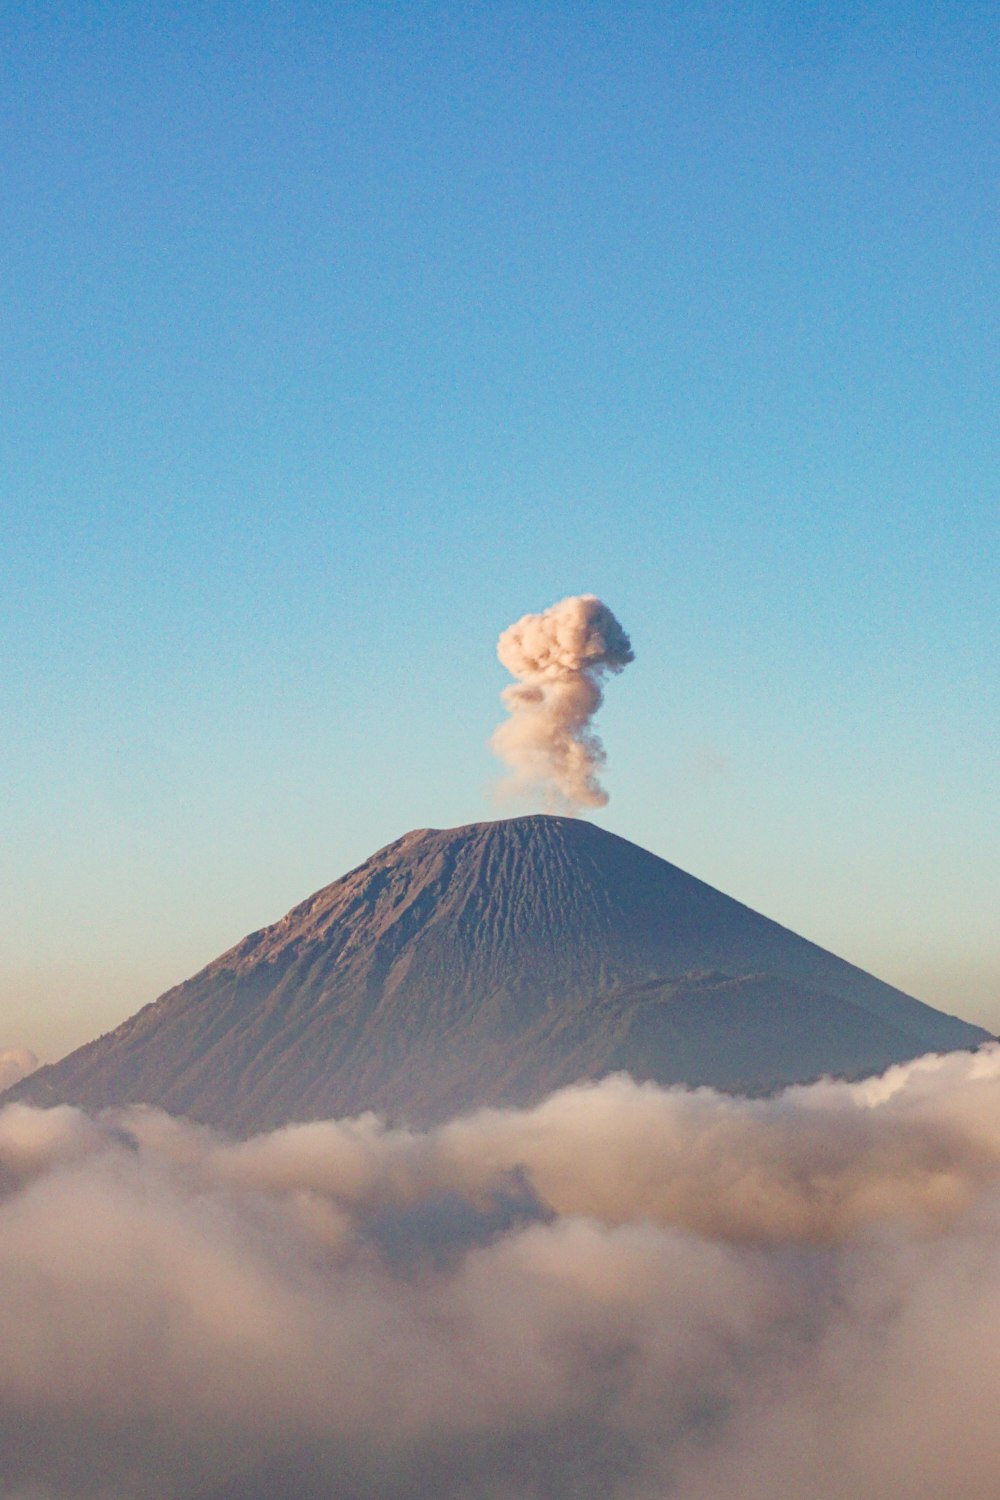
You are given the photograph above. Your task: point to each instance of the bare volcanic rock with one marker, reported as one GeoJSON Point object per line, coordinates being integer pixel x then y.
{"type": "Point", "coordinates": [488, 965]}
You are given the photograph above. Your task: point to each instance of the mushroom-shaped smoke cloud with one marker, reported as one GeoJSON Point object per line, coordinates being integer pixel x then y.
{"type": "Point", "coordinates": [559, 658]}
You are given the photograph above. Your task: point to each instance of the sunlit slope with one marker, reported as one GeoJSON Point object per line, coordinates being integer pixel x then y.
{"type": "Point", "coordinates": [488, 965]}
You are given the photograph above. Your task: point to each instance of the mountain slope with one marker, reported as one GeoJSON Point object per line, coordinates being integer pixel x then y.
{"type": "Point", "coordinates": [489, 964]}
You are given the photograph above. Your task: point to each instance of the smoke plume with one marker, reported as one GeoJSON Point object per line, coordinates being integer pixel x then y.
{"type": "Point", "coordinates": [644, 1293]}
{"type": "Point", "coordinates": [560, 658]}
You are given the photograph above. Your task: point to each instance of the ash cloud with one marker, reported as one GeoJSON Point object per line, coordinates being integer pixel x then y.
{"type": "Point", "coordinates": [646, 1293]}
{"type": "Point", "coordinates": [560, 659]}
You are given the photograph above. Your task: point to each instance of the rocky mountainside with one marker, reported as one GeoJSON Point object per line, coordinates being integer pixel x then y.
{"type": "Point", "coordinates": [488, 965]}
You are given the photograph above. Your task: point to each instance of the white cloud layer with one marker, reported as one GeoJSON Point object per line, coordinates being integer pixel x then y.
{"type": "Point", "coordinates": [639, 1293]}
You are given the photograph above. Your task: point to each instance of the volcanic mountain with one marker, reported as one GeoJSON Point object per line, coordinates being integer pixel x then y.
{"type": "Point", "coordinates": [488, 965]}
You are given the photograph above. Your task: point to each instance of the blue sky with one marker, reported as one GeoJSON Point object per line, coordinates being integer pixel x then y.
{"type": "Point", "coordinates": [339, 336]}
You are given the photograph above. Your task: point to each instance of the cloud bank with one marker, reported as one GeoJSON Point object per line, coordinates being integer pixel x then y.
{"type": "Point", "coordinates": [628, 1291]}
{"type": "Point", "coordinates": [560, 658]}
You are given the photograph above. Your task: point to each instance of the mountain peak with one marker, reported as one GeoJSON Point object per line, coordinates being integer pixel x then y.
{"type": "Point", "coordinates": [487, 964]}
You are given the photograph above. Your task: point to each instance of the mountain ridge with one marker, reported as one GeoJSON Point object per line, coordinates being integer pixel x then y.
{"type": "Point", "coordinates": [450, 969]}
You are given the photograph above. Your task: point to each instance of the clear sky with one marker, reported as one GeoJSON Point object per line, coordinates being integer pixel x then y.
{"type": "Point", "coordinates": [338, 336]}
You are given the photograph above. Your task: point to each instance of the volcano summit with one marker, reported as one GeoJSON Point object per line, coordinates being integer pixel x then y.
{"type": "Point", "coordinates": [491, 964]}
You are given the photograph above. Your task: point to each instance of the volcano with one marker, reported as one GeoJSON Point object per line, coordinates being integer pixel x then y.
{"type": "Point", "coordinates": [488, 965]}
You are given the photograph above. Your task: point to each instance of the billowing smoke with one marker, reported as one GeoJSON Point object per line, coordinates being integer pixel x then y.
{"type": "Point", "coordinates": [15, 1063]}
{"type": "Point", "coordinates": [628, 1291]}
{"type": "Point", "coordinates": [560, 658]}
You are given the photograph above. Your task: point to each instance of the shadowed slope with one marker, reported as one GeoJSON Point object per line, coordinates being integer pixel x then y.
{"type": "Point", "coordinates": [490, 964]}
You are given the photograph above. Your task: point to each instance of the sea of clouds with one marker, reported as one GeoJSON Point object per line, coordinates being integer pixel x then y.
{"type": "Point", "coordinates": [628, 1291]}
